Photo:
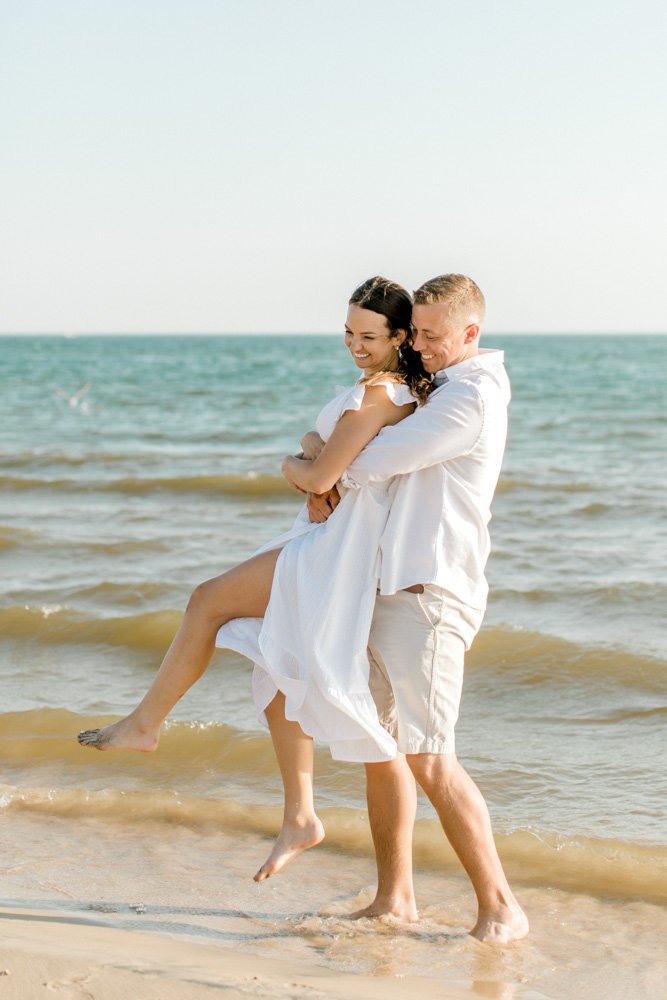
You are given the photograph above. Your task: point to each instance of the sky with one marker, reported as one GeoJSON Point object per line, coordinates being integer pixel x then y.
{"type": "Point", "coordinates": [241, 165]}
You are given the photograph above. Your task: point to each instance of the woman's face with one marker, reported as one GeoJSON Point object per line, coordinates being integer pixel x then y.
{"type": "Point", "coordinates": [369, 341]}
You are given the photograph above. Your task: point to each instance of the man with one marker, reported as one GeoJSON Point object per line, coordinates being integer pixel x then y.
{"type": "Point", "coordinates": [431, 600]}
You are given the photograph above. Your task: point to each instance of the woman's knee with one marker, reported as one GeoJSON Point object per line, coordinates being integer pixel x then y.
{"type": "Point", "coordinates": [241, 592]}
{"type": "Point", "coordinates": [207, 600]}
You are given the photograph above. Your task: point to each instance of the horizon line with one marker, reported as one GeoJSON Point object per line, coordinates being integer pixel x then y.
{"type": "Point", "coordinates": [73, 334]}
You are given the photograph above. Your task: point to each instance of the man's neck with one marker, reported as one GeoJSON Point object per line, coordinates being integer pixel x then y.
{"type": "Point", "coordinates": [467, 356]}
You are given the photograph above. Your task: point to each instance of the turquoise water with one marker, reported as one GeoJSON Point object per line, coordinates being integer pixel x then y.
{"type": "Point", "coordinates": [579, 532]}
{"type": "Point", "coordinates": [165, 471]}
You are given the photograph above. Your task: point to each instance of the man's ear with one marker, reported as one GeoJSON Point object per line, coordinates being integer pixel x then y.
{"type": "Point", "coordinates": [472, 332]}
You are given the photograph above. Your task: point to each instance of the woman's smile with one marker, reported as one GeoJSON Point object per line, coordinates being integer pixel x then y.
{"type": "Point", "coordinates": [370, 341]}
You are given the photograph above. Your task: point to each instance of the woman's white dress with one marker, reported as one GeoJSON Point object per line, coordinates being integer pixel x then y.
{"type": "Point", "coordinates": [311, 644]}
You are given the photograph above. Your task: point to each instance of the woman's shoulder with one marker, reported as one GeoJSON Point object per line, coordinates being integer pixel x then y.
{"type": "Point", "coordinates": [393, 385]}
{"type": "Point", "coordinates": [353, 397]}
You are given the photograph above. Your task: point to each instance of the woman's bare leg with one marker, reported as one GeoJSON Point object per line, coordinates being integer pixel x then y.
{"type": "Point", "coordinates": [243, 592]}
{"type": "Point", "coordinates": [301, 827]}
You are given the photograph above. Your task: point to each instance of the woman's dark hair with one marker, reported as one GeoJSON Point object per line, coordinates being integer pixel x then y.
{"type": "Point", "coordinates": [379, 295]}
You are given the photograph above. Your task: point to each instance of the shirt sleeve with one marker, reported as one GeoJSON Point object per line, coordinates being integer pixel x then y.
{"type": "Point", "coordinates": [446, 427]}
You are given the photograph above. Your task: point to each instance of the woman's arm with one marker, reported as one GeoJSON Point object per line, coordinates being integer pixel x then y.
{"type": "Point", "coordinates": [350, 435]}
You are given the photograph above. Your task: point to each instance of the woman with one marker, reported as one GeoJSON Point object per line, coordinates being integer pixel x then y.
{"type": "Point", "coordinates": [303, 672]}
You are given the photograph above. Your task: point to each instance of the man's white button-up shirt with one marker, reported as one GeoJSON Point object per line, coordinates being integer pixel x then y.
{"type": "Point", "coordinates": [446, 458]}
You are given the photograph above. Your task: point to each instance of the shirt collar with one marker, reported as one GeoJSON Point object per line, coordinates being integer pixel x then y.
{"type": "Point", "coordinates": [486, 358]}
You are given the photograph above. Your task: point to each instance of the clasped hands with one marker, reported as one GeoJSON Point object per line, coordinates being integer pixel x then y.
{"type": "Point", "coordinates": [320, 505]}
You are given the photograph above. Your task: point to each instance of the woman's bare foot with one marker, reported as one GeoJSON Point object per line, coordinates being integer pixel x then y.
{"type": "Point", "coordinates": [502, 925]}
{"type": "Point", "coordinates": [124, 735]}
{"type": "Point", "coordinates": [295, 837]}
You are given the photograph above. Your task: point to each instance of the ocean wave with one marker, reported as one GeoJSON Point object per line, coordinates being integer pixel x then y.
{"type": "Point", "coordinates": [179, 785]}
{"type": "Point", "coordinates": [626, 593]}
{"type": "Point", "coordinates": [62, 625]}
{"type": "Point", "coordinates": [121, 593]}
{"type": "Point", "coordinates": [48, 735]}
{"type": "Point", "coordinates": [594, 509]}
{"type": "Point", "coordinates": [596, 867]}
{"type": "Point", "coordinates": [511, 485]}
{"type": "Point", "coordinates": [126, 546]}
{"type": "Point", "coordinates": [241, 485]}
{"type": "Point", "coordinates": [613, 717]}
{"type": "Point", "coordinates": [37, 460]}
{"type": "Point", "coordinates": [533, 657]}
{"type": "Point", "coordinates": [251, 484]}
{"type": "Point", "coordinates": [14, 538]}
{"type": "Point", "coordinates": [530, 657]}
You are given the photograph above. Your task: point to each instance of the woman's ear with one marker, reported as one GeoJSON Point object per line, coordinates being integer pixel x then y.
{"type": "Point", "coordinates": [400, 338]}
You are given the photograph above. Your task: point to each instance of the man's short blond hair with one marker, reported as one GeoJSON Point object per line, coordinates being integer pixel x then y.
{"type": "Point", "coordinates": [456, 290]}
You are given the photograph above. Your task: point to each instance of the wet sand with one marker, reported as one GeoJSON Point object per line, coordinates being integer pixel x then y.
{"type": "Point", "coordinates": [44, 954]}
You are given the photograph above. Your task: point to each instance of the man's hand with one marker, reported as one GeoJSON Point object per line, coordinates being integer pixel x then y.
{"type": "Point", "coordinates": [322, 505]}
{"type": "Point", "coordinates": [311, 444]}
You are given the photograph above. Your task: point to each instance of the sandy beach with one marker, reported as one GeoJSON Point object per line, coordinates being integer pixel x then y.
{"type": "Point", "coordinates": [43, 954]}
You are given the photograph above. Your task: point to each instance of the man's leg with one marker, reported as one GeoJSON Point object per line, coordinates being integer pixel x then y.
{"type": "Point", "coordinates": [391, 795]}
{"type": "Point", "coordinates": [243, 592]}
{"type": "Point", "coordinates": [392, 805]}
{"type": "Point", "coordinates": [301, 827]}
{"type": "Point", "coordinates": [465, 819]}
{"type": "Point", "coordinates": [418, 641]}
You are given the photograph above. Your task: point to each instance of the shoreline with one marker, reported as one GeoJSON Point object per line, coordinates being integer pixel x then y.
{"type": "Point", "coordinates": [99, 910]}
{"type": "Point", "coordinates": [44, 951]}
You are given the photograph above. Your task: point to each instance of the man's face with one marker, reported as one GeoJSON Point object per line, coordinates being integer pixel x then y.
{"type": "Point", "coordinates": [441, 337]}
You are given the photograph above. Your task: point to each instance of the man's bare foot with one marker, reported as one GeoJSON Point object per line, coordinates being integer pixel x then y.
{"type": "Point", "coordinates": [502, 925]}
{"type": "Point", "coordinates": [404, 910]}
{"type": "Point", "coordinates": [123, 735]}
{"type": "Point", "coordinates": [294, 838]}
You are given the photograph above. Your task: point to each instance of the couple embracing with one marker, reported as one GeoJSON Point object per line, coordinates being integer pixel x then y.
{"type": "Point", "coordinates": [358, 618]}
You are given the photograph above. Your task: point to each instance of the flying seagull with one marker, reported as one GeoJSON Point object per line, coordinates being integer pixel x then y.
{"type": "Point", "coordinates": [74, 400]}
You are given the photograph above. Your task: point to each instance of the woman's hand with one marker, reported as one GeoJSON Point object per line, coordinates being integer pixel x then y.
{"type": "Point", "coordinates": [311, 444]}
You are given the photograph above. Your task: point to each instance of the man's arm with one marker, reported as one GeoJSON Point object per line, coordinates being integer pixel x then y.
{"type": "Point", "coordinates": [446, 427]}
{"type": "Point", "coordinates": [443, 429]}
{"type": "Point", "coordinates": [353, 430]}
